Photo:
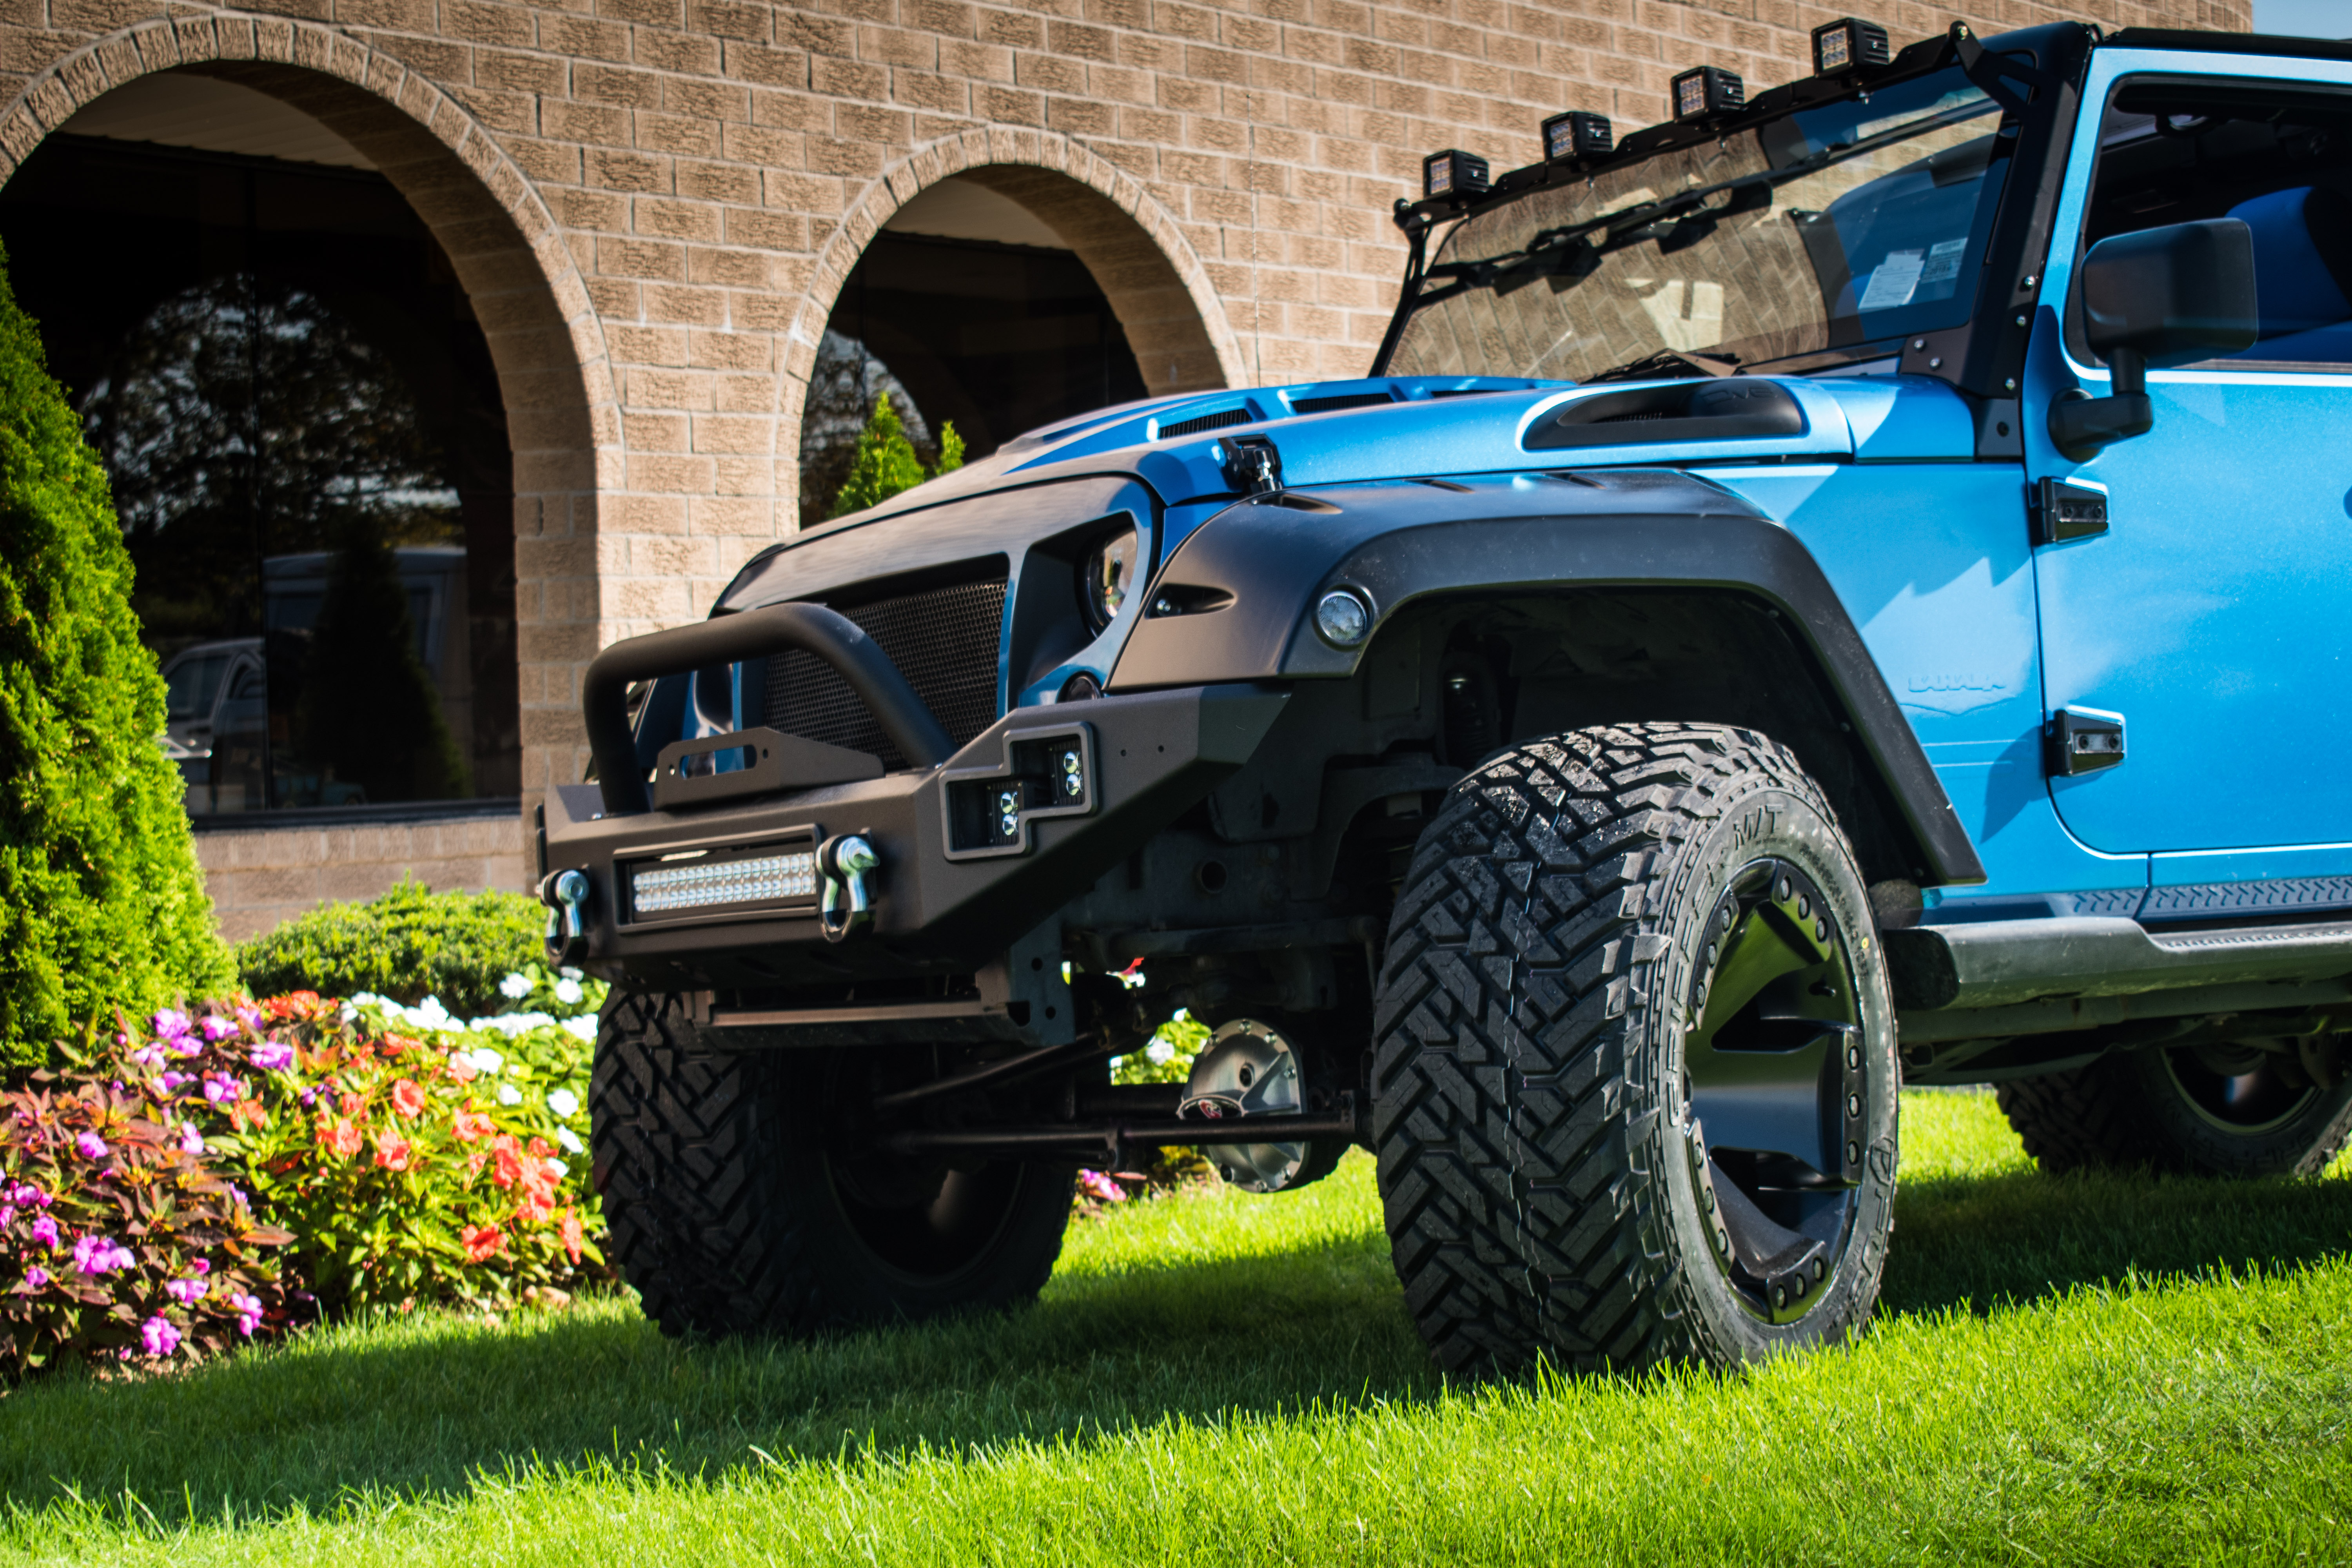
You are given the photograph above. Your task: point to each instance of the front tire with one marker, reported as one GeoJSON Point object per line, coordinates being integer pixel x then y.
{"type": "Point", "coordinates": [1634, 1089]}
{"type": "Point", "coordinates": [741, 1199]}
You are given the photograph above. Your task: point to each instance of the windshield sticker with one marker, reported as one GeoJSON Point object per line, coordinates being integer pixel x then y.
{"type": "Point", "coordinates": [1944, 261]}
{"type": "Point", "coordinates": [1891, 284]}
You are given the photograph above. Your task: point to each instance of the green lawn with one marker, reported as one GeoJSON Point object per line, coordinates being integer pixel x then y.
{"type": "Point", "coordinates": [2076, 1371]}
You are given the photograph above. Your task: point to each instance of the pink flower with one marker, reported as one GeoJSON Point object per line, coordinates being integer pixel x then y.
{"type": "Point", "coordinates": [91, 1146]}
{"type": "Point", "coordinates": [44, 1231]}
{"type": "Point", "coordinates": [172, 1082]}
{"type": "Point", "coordinates": [187, 1292]}
{"type": "Point", "coordinates": [37, 1278]}
{"type": "Point", "coordinates": [215, 1029]}
{"type": "Point", "coordinates": [171, 1030]}
{"type": "Point", "coordinates": [250, 1019]}
{"type": "Point", "coordinates": [191, 1141]}
{"type": "Point", "coordinates": [1102, 1186]}
{"type": "Point", "coordinates": [149, 1056]}
{"type": "Point", "coordinates": [222, 1089]}
{"type": "Point", "coordinates": [100, 1254]}
{"type": "Point", "coordinates": [271, 1056]}
{"type": "Point", "coordinates": [159, 1336]}
{"type": "Point", "coordinates": [201, 1265]}
{"type": "Point", "coordinates": [28, 1193]}
{"type": "Point", "coordinates": [249, 1312]}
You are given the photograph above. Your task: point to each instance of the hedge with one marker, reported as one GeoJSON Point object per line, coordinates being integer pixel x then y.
{"type": "Point", "coordinates": [100, 903]}
{"type": "Point", "coordinates": [408, 944]}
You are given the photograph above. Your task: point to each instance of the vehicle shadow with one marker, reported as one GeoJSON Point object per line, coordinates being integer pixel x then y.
{"type": "Point", "coordinates": [1983, 1241]}
{"type": "Point", "coordinates": [428, 1407]}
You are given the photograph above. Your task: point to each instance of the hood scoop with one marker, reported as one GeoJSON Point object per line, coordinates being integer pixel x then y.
{"type": "Point", "coordinates": [1730, 409]}
{"type": "Point", "coordinates": [1218, 419]}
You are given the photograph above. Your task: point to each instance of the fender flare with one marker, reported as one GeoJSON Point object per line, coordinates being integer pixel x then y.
{"type": "Point", "coordinates": [1235, 600]}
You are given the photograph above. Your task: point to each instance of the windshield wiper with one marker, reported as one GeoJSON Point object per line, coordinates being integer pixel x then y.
{"type": "Point", "coordinates": [1667, 365]}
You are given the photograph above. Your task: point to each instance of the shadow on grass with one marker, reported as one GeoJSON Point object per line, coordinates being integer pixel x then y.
{"type": "Point", "coordinates": [427, 1408]}
{"type": "Point", "coordinates": [1987, 1241]}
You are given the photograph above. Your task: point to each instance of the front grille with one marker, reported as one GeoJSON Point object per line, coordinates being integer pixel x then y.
{"type": "Point", "coordinates": [943, 640]}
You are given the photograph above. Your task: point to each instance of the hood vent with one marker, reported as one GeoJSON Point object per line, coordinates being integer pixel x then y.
{"type": "Point", "coordinates": [1730, 409]}
{"type": "Point", "coordinates": [1222, 418]}
{"type": "Point", "coordinates": [1337, 401]}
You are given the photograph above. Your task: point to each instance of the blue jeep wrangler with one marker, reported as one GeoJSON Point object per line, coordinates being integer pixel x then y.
{"type": "Point", "coordinates": [1846, 587]}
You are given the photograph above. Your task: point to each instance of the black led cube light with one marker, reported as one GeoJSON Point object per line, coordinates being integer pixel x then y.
{"type": "Point", "coordinates": [1453, 173]}
{"type": "Point", "coordinates": [1575, 134]}
{"type": "Point", "coordinates": [1705, 92]}
{"type": "Point", "coordinates": [1848, 43]}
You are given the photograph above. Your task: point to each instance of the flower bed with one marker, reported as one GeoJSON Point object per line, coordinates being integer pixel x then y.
{"type": "Point", "coordinates": [235, 1169]}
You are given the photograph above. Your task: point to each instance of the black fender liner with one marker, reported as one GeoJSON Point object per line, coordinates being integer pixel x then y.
{"type": "Point", "coordinates": [1236, 600]}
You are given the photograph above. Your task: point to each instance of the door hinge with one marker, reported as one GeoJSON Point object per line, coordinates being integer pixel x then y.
{"type": "Point", "coordinates": [2062, 511]}
{"type": "Point", "coordinates": [2083, 741]}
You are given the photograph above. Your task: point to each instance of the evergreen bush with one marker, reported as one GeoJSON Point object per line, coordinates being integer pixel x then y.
{"type": "Point", "coordinates": [408, 944]}
{"type": "Point", "coordinates": [100, 903]}
{"type": "Point", "coordinates": [887, 463]}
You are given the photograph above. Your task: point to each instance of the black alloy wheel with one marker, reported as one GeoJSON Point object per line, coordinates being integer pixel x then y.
{"type": "Point", "coordinates": [746, 1192]}
{"type": "Point", "coordinates": [1633, 1081]}
{"type": "Point", "coordinates": [2259, 1107]}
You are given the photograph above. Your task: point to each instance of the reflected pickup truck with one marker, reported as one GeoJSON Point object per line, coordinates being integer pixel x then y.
{"type": "Point", "coordinates": [1849, 586]}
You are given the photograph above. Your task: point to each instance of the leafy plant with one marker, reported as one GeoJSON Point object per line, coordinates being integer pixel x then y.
{"type": "Point", "coordinates": [408, 944]}
{"type": "Point", "coordinates": [100, 905]}
{"type": "Point", "coordinates": [121, 1223]}
{"type": "Point", "coordinates": [414, 1168]}
{"type": "Point", "coordinates": [886, 462]}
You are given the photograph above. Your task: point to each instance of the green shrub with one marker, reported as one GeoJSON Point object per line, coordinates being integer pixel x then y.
{"type": "Point", "coordinates": [886, 462]}
{"type": "Point", "coordinates": [409, 944]}
{"type": "Point", "coordinates": [100, 903]}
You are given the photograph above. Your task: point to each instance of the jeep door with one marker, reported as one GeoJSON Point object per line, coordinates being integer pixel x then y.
{"type": "Point", "coordinates": [2214, 613]}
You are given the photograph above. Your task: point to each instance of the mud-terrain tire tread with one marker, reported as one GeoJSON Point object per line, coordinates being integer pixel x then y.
{"type": "Point", "coordinates": [683, 1167]}
{"type": "Point", "coordinates": [1512, 1142]}
{"type": "Point", "coordinates": [2104, 1115]}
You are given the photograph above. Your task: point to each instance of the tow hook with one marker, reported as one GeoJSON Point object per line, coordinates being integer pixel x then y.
{"type": "Point", "coordinates": [565, 894]}
{"type": "Point", "coordinates": [844, 904]}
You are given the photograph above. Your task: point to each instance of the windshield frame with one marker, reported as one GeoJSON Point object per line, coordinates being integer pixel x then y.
{"type": "Point", "coordinates": [2034, 74]}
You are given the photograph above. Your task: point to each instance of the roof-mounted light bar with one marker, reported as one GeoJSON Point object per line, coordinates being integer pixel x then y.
{"type": "Point", "coordinates": [1848, 43]}
{"type": "Point", "coordinates": [1575, 134]}
{"type": "Point", "coordinates": [1706, 92]}
{"type": "Point", "coordinates": [1453, 174]}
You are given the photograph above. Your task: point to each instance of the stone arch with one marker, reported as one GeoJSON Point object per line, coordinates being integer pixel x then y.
{"type": "Point", "coordinates": [1174, 320]}
{"type": "Point", "coordinates": [562, 415]}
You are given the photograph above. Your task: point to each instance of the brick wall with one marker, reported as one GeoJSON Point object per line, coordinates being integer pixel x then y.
{"type": "Point", "coordinates": [259, 879]}
{"type": "Point", "coordinates": [653, 202]}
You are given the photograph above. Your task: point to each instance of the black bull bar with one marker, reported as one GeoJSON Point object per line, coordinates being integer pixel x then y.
{"type": "Point", "coordinates": [976, 846]}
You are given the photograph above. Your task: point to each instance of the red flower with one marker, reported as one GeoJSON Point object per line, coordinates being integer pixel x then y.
{"type": "Point", "coordinates": [541, 1148]}
{"type": "Point", "coordinates": [408, 1099]}
{"type": "Point", "coordinates": [482, 1241]}
{"type": "Point", "coordinates": [510, 1167]}
{"type": "Point", "coordinates": [392, 1045]}
{"type": "Point", "coordinates": [572, 1234]}
{"type": "Point", "coordinates": [461, 1068]}
{"type": "Point", "coordinates": [351, 1104]}
{"type": "Point", "coordinates": [339, 1136]}
{"type": "Point", "coordinates": [248, 1112]}
{"type": "Point", "coordinates": [394, 1154]}
{"type": "Point", "coordinates": [472, 1124]}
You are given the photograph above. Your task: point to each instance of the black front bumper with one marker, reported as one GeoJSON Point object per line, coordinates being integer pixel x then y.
{"type": "Point", "coordinates": [943, 901]}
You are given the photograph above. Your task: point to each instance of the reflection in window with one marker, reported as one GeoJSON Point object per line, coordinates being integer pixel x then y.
{"type": "Point", "coordinates": [245, 425]}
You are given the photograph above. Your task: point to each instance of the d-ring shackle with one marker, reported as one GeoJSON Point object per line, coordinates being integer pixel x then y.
{"type": "Point", "coordinates": [845, 903]}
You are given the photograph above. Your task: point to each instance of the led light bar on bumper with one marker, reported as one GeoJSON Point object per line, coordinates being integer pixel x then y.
{"type": "Point", "coordinates": [683, 883]}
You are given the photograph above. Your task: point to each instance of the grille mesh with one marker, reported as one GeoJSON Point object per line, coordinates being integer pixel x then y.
{"type": "Point", "coordinates": [943, 640]}
{"type": "Point", "coordinates": [1194, 426]}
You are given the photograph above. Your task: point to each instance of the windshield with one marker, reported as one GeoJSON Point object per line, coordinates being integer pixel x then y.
{"type": "Point", "coordinates": [1834, 227]}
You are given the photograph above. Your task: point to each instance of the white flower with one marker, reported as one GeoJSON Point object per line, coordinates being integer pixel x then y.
{"type": "Point", "coordinates": [485, 1059]}
{"type": "Point", "coordinates": [430, 1014]}
{"type": "Point", "coordinates": [567, 992]}
{"type": "Point", "coordinates": [510, 1095]}
{"type": "Point", "coordinates": [563, 1102]}
{"type": "Point", "coordinates": [514, 986]}
{"type": "Point", "coordinates": [1159, 1051]}
{"type": "Point", "coordinates": [559, 1167]}
{"type": "Point", "coordinates": [568, 973]}
{"type": "Point", "coordinates": [1115, 1061]}
{"type": "Point", "coordinates": [583, 1025]}
{"type": "Point", "coordinates": [570, 1140]}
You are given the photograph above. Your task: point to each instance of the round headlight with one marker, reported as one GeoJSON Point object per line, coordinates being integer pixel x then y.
{"type": "Point", "coordinates": [1106, 578]}
{"type": "Point", "coordinates": [1343, 617]}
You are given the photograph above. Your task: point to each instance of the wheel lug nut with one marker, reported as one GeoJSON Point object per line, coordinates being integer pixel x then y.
{"type": "Point", "coordinates": [1785, 889]}
{"type": "Point", "coordinates": [1853, 1153]}
{"type": "Point", "coordinates": [1853, 1106]}
{"type": "Point", "coordinates": [1821, 930]}
{"type": "Point", "coordinates": [1800, 1287]}
{"type": "Point", "coordinates": [1805, 907]}
{"type": "Point", "coordinates": [1780, 1296]}
{"type": "Point", "coordinates": [1820, 1269]}
{"type": "Point", "coordinates": [1854, 1057]}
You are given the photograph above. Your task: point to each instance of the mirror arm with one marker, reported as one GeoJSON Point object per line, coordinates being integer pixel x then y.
{"type": "Point", "coordinates": [2080, 423]}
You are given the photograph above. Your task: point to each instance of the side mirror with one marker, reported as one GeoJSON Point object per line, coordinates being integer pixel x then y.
{"type": "Point", "coordinates": [2161, 296]}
